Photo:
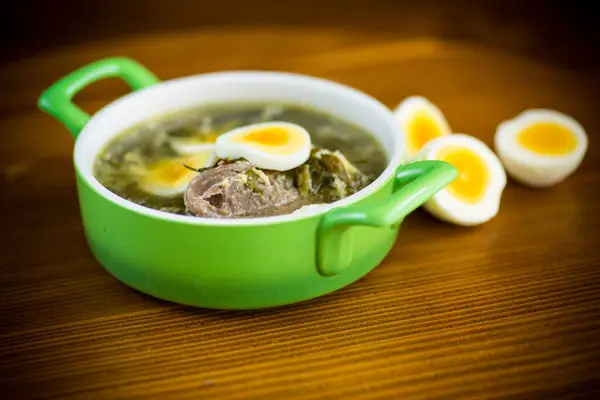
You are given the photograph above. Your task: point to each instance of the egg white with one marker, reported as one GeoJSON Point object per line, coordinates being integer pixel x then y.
{"type": "Point", "coordinates": [408, 109]}
{"type": "Point", "coordinates": [212, 159]}
{"type": "Point", "coordinates": [447, 207]}
{"type": "Point", "coordinates": [532, 168]}
{"type": "Point", "coordinates": [189, 146]}
{"type": "Point", "coordinates": [257, 154]}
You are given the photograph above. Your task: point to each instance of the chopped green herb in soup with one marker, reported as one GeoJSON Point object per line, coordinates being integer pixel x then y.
{"type": "Point", "coordinates": [269, 159]}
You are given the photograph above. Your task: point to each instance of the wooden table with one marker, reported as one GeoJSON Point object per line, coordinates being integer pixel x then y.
{"type": "Point", "coordinates": [510, 309]}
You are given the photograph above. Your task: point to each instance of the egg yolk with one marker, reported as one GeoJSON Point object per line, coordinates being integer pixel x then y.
{"type": "Point", "coordinates": [547, 138]}
{"type": "Point", "coordinates": [168, 171]}
{"type": "Point", "coordinates": [273, 139]}
{"type": "Point", "coordinates": [473, 174]}
{"type": "Point", "coordinates": [268, 136]}
{"type": "Point", "coordinates": [210, 138]}
{"type": "Point", "coordinates": [173, 171]}
{"type": "Point", "coordinates": [421, 129]}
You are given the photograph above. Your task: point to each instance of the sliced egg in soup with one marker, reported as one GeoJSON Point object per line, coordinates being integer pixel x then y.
{"type": "Point", "coordinates": [278, 146]}
{"type": "Point", "coordinates": [194, 144]}
{"type": "Point", "coordinates": [474, 196]}
{"type": "Point", "coordinates": [170, 177]}
{"type": "Point", "coordinates": [421, 121]}
{"type": "Point", "coordinates": [540, 147]}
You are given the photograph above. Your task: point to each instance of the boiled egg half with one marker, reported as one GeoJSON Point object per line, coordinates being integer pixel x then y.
{"type": "Point", "coordinates": [278, 146]}
{"type": "Point", "coordinates": [420, 121]}
{"type": "Point", "coordinates": [540, 147]}
{"type": "Point", "coordinates": [474, 196]}
{"type": "Point", "coordinates": [193, 144]}
{"type": "Point", "coordinates": [170, 177]}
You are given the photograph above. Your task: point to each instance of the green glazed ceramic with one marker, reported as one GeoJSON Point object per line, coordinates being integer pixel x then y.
{"type": "Point", "coordinates": [246, 263]}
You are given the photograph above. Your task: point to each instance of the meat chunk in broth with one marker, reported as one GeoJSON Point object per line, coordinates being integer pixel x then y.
{"type": "Point", "coordinates": [238, 189]}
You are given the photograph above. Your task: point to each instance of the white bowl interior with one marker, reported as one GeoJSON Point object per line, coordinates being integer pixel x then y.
{"type": "Point", "coordinates": [344, 102]}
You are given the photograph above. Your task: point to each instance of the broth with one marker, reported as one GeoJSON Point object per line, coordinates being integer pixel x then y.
{"type": "Point", "coordinates": [123, 160]}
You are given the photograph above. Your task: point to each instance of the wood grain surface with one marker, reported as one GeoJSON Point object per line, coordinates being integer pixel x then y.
{"type": "Point", "coordinates": [510, 309]}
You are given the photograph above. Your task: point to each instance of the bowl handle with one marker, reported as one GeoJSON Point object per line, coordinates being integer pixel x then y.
{"type": "Point", "coordinates": [413, 185]}
{"type": "Point", "coordinates": [56, 100]}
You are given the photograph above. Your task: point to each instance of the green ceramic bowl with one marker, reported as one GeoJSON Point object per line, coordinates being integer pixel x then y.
{"type": "Point", "coordinates": [245, 263]}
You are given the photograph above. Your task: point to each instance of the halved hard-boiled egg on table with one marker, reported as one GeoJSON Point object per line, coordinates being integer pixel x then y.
{"type": "Point", "coordinates": [420, 121]}
{"type": "Point", "coordinates": [278, 146]}
{"type": "Point", "coordinates": [474, 196]}
{"type": "Point", "coordinates": [540, 147]}
{"type": "Point", "coordinates": [170, 177]}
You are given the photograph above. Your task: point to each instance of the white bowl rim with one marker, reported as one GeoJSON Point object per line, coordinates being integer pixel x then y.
{"type": "Point", "coordinates": [395, 159]}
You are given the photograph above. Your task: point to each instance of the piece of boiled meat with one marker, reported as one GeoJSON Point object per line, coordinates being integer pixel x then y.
{"type": "Point", "coordinates": [239, 190]}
